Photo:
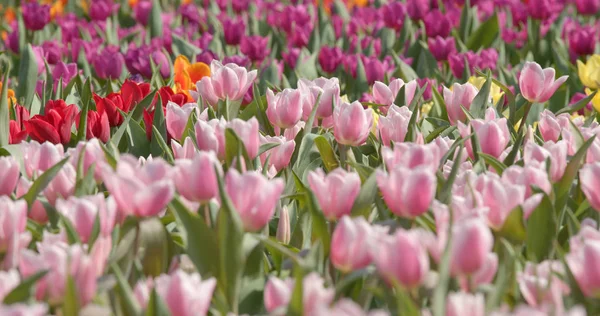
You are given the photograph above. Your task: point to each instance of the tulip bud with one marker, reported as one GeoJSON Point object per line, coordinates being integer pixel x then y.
{"type": "Point", "coordinates": [196, 179]}
{"type": "Point", "coordinates": [407, 192]}
{"type": "Point", "coordinates": [537, 84]}
{"type": "Point", "coordinates": [233, 30]}
{"type": "Point", "coordinates": [255, 47]}
{"type": "Point", "coordinates": [277, 293]}
{"type": "Point", "coordinates": [36, 15]}
{"type": "Point", "coordinates": [587, 7]}
{"type": "Point", "coordinates": [441, 48]}
{"type": "Point", "coordinates": [581, 40]}
{"type": "Point", "coordinates": [9, 175]}
{"type": "Point", "coordinates": [437, 24]}
{"type": "Point", "coordinates": [279, 156]}
{"type": "Point", "coordinates": [472, 241]}
{"type": "Point", "coordinates": [350, 244]}
{"type": "Point", "coordinates": [459, 95]}
{"type": "Point", "coordinates": [330, 58]}
{"type": "Point", "coordinates": [354, 134]}
{"type": "Point", "coordinates": [285, 108]}
{"type": "Point", "coordinates": [284, 231]}
{"type": "Point", "coordinates": [335, 191]}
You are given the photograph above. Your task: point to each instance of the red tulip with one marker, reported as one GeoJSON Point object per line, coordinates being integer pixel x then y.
{"type": "Point", "coordinates": [111, 106]}
{"type": "Point", "coordinates": [132, 93]}
{"type": "Point", "coordinates": [97, 126]}
{"type": "Point", "coordinates": [55, 125]}
{"type": "Point", "coordinates": [17, 128]}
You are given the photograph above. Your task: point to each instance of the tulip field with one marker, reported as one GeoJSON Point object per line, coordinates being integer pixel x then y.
{"type": "Point", "coordinates": [299, 157]}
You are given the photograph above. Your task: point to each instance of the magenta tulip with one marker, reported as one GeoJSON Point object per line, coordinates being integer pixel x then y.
{"type": "Point", "coordinates": [537, 84]}
{"type": "Point", "coordinates": [335, 192]}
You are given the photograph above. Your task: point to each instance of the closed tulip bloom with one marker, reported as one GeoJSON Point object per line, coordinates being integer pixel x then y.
{"type": "Point", "coordinates": [528, 176]}
{"type": "Point", "coordinates": [210, 136]}
{"type": "Point", "coordinates": [350, 244]}
{"type": "Point", "coordinates": [248, 132]}
{"type": "Point", "coordinates": [394, 126]}
{"type": "Point", "coordinates": [196, 179]}
{"type": "Point", "coordinates": [437, 24]}
{"type": "Point", "coordinates": [285, 108]}
{"type": "Point", "coordinates": [36, 15]}
{"type": "Point", "coordinates": [38, 158]}
{"type": "Point", "coordinates": [279, 156]}
{"type": "Point", "coordinates": [278, 293]}
{"type": "Point", "coordinates": [551, 126]}
{"type": "Point", "coordinates": [587, 7]}
{"type": "Point", "coordinates": [411, 156]}
{"type": "Point", "coordinates": [540, 284]}
{"type": "Point", "coordinates": [55, 125]}
{"type": "Point", "coordinates": [101, 10]}
{"type": "Point", "coordinates": [83, 211]}
{"type": "Point", "coordinates": [459, 95]}
{"type": "Point", "coordinates": [177, 118]}
{"type": "Point", "coordinates": [589, 179]}
{"type": "Point", "coordinates": [356, 133]}
{"type": "Point", "coordinates": [13, 233]}
{"type": "Point", "coordinates": [97, 125]}
{"type": "Point", "coordinates": [556, 152]}
{"type": "Point", "coordinates": [581, 40]}
{"type": "Point", "coordinates": [465, 304]}
{"type": "Point", "coordinates": [109, 63]}
{"type": "Point", "coordinates": [537, 84]}
{"type": "Point", "coordinates": [472, 241]}
{"type": "Point", "coordinates": [254, 197]}
{"type": "Point", "coordinates": [233, 30]}
{"type": "Point", "coordinates": [394, 14]}
{"type": "Point", "coordinates": [407, 192]}
{"type": "Point", "coordinates": [330, 58]}
{"type": "Point", "coordinates": [228, 81]}
{"type": "Point", "coordinates": [187, 151]}
{"type": "Point", "coordinates": [284, 231]}
{"type": "Point", "coordinates": [401, 258]}
{"type": "Point", "coordinates": [255, 47]}
{"type": "Point", "coordinates": [583, 261]}
{"type": "Point", "coordinates": [500, 198]}
{"type": "Point", "coordinates": [9, 175]}
{"type": "Point", "coordinates": [589, 73]}
{"type": "Point", "coordinates": [329, 91]}
{"type": "Point", "coordinates": [335, 191]}
{"type": "Point", "coordinates": [492, 133]}
{"type": "Point", "coordinates": [62, 185]}
{"type": "Point", "coordinates": [386, 95]}
{"type": "Point", "coordinates": [441, 47]}
{"type": "Point", "coordinates": [185, 294]}
{"type": "Point", "coordinates": [37, 211]}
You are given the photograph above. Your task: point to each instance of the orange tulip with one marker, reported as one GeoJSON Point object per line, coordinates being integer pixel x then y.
{"type": "Point", "coordinates": [11, 96]}
{"type": "Point", "coordinates": [187, 74]}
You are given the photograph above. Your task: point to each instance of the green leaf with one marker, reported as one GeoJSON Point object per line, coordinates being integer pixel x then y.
{"type": "Point", "coordinates": [162, 144]}
{"type": "Point", "coordinates": [139, 145]}
{"type": "Point", "coordinates": [183, 47]}
{"type": "Point", "coordinates": [86, 97]}
{"type": "Point", "coordinates": [579, 105]}
{"type": "Point", "coordinates": [28, 74]}
{"type": "Point", "coordinates": [199, 239]}
{"type": "Point", "coordinates": [541, 231]}
{"type": "Point", "coordinates": [514, 226]}
{"type": "Point", "coordinates": [368, 193]}
{"type": "Point", "coordinates": [126, 296]}
{"type": "Point", "coordinates": [296, 306]}
{"type": "Point", "coordinates": [479, 104]}
{"type": "Point", "coordinates": [446, 191]}
{"type": "Point", "coordinates": [24, 290]}
{"type": "Point", "coordinates": [71, 303]}
{"type": "Point", "coordinates": [494, 162]}
{"type": "Point", "coordinates": [235, 148]}
{"type": "Point", "coordinates": [156, 306]}
{"type": "Point", "coordinates": [42, 182]}
{"type": "Point", "coordinates": [404, 70]}
{"type": "Point", "coordinates": [4, 117]}
{"type": "Point", "coordinates": [311, 117]}
{"type": "Point", "coordinates": [72, 235]}
{"type": "Point", "coordinates": [156, 23]}
{"type": "Point", "coordinates": [153, 238]}
{"type": "Point", "coordinates": [512, 155]}
{"type": "Point", "coordinates": [330, 161]}
{"type": "Point", "coordinates": [563, 187]}
{"type": "Point", "coordinates": [320, 230]}
{"type": "Point", "coordinates": [485, 34]}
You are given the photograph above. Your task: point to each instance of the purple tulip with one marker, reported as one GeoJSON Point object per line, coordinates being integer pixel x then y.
{"type": "Point", "coordinates": [206, 57]}
{"type": "Point", "coordinates": [543, 9]}
{"type": "Point", "coordinates": [53, 50]}
{"type": "Point", "coordinates": [233, 30]}
{"type": "Point", "coordinates": [204, 40]}
{"type": "Point", "coordinates": [457, 62]}
{"type": "Point", "coordinates": [587, 7]}
{"type": "Point", "coordinates": [374, 68]}
{"type": "Point", "coordinates": [109, 63]}
{"type": "Point", "coordinates": [190, 14]}
{"type": "Point", "coordinates": [239, 60]}
{"type": "Point", "coordinates": [393, 15]}
{"type": "Point", "coordinates": [100, 10]}
{"type": "Point", "coordinates": [488, 59]}
{"type": "Point", "coordinates": [137, 61]}
{"type": "Point", "coordinates": [582, 40]}
{"type": "Point", "coordinates": [578, 96]}
{"type": "Point", "coordinates": [291, 57]}
{"type": "Point", "coordinates": [417, 9]}
{"type": "Point", "coordinates": [65, 71]}
{"type": "Point", "coordinates": [440, 48]}
{"type": "Point", "coordinates": [142, 12]}
{"type": "Point", "coordinates": [330, 58]}
{"type": "Point", "coordinates": [35, 15]}
{"type": "Point", "coordinates": [437, 24]}
{"type": "Point", "coordinates": [255, 47]}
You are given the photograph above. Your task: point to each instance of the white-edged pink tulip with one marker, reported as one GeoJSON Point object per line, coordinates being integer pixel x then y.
{"type": "Point", "coordinates": [537, 84]}
{"type": "Point", "coordinates": [350, 246]}
{"type": "Point", "coordinates": [329, 91]}
{"type": "Point", "coordinates": [460, 95]}
{"type": "Point", "coordinates": [352, 123]}
{"type": "Point", "coordinates": [280, 155]}
{"type": "Point", "coordinates": [394, 126]}
{"type": "Point", "coordinates": [228, 81]}
{"type": "Point", "coordinates": [335, 191]}
{"type": "Point", "coordinates": [9, 175]}
{"type": "Point", "coordinates": [284, 109]}
{"type": "Point", "coordinates": [407, 192]}
{"type": "Point", "coordinates": [177, 118]}
{"type": "Point", "coordinates": [83, 211]}
{"type": "Point", "coordinates": [196, 178]}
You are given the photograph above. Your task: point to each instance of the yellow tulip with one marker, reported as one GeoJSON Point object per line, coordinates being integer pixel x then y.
{"type": "Point", "coordinates": [495, 92]}
{"type": "Point", "coordinates": [595, 100]}
{"type": "Point", "coordinates": [589, 73]}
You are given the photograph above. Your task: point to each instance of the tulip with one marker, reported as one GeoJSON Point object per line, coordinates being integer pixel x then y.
{"type": "Point", "coordinates": [589, 73]}
{"type": "Point", "coordinates": [492, 133]}
{"type": "Point", "coordinates": [279, 156]}
{"type": "Point", "coordinates": [177, 118]}
{"type": "Point", "coordinates": [551, 126]}
{"type": "Point", "coordinates": [417, 9]}
{"type": "Point", "coordinates": [97, 125]}
{"type": "Point", "coordinates": [101, 10]}
{"type": "Point", "coordinates": [36, 15]}
{"type": "Point", "coordinates": [537, 84]}
{"type": "Point", "coordinates": [284, 109]}
{"type": "Point", "coordinates": [185, 294]}
{"type": "Point", "coordinates": [330, 58]}
{"type": "Point", "coordinates": [14, 235]}
{"type": "Point", "coordinates": [458, 62]}
{"type": "Point", "coordinates": [499, 197]}
{"type": "Point", "coordinates": [588, 179]}
{"type": "Point", "coordinates": [335, 191]}
{"type": "Point", "coordinates": [8, 281]}
{"type": "Point", "coordinates": [284, 231]}
{"type": "Point", "coordinates": [407, 192]}
{"type": "Point", "coordinates": [385, 95]}
{"type": "Point", "coordinates": [142, 11]}
{"type": "Point", "coordinates": [55, 125]}
{"type": "Point", "coordinates": [394, 126]}
{"type": "Point", "coordinates": [460, 95]}
{"type": "Point", "coordinates": [354, 134]}
{"type": "Point", "coordinates": [228, 81]}
{"type": "Point", "coordinates": [485, 275]}
{"type": "Point", "coordinates": [233, 30]}
{"type": "Point", "coordinates": [187, 151]}
{"type": "Point", "coordinates": [315, 293]}
{"type": "Point", "coordinates": [82, 212]}
{"type": "Point", "coordinates": [350, 244]}
{"type": "Point", "coordinates": [327, 89]}
{"type": "Point", "coordinates": [253, 196]}
{"type": "Point", "coordinates": [210, 136]}
{"type": "Point", "coordinates": [581, 40]}
{"type": "Point", "coordinates": [441, 48]}
{"type": "Point", "coordinates": [291, 56]}
{"type": "Point", "coordinates": [38, 158]}
{"type": "Point", "coordinates": [255, 47]}
{"type": "Point", "coordinates": [528, 176]}
{"type": "Point", "coordinates": [37, 211]}
{"type": "Point", "coordinates": [62, 185]}
{"type": "Point", "coordinates": [437, 24]}
{"type": "Point", "coordinates": [277, 293]}
{"type": "Point", "coordinates": [401, 258]}
{"type": "Point", "coordinates": [472, 241]}
{"type": "Point", "coordinates": [63, 71]}
{"type": "Point", "coordinates": [465, 304]}
{"type": "Point", "coordinates": [411, 156]}
{"type": "Point", "coordinates": [587, 7]}
{"type": "Point", "coordinates": [17, 132]}
{"type": "Point", "coordinates": [196, 179]}
{"type": "Point", "coordinates": [394, 14]}
{"type": "Point", "coordinates": [540, 284]}
{"type": "Point", "coordinates": [22, 309]}
{"type": "Point", "coordinates": [138, 59]}
{"type": "Point", "coordinates": [247, 131]}
{"type": "Point", "coordinates": [9, 173]}
{"type": "Point", "coordinates": [109, 63]}
{"type": "Point", "coordinates": [556, 152]}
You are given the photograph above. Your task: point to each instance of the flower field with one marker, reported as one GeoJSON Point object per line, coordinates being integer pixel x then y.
{"type": "Point", "coordinates": [326, 157]}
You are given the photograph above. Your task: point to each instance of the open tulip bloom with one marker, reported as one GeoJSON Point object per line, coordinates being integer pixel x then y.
{"type": "Point", "coordinates": [347, 157]}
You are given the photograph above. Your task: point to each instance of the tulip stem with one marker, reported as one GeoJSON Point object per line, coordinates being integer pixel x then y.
{"type": "Point", "coordinates": [527, 109]}
{"type": "Point", "coordinates": [343, 155]}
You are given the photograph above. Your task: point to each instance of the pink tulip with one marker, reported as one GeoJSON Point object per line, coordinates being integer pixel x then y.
{"type": "Point", "coordinates": [555, 152]}
{"type": "Point", "coordinates": [350, 244]}
{"type": "Point", "coordinates": [196, 179]}
{"type": "Point", "coordinates": [386, 95]}
{"type": "Point", "coordinates": [328, 89]}
{"type": "Point", "coordinates": [82, 212]}
{"type": "Point", "coordinates": [589, 178]}
{"type": "Point", "coordinates": [540, 284]}
{"type": "Point", "coordinates": [248, 133]}
{"type": "Point", "coordinates": [500, 197]}
{"type": "Point", "coordinates": [492, 134]}
{"type": "Point", "coordinates": [8, 281]}
{"type": "Point", "coordinates": [394, 126]}
{"type": "Point", "coordinates": [13, 233]}
{"type": "Point", "coordinates": [583, 263]}
{"type": "Point", "coordinates": [278, 294]}
{"type": "Point", "coordinates": [407, 192]}
{"type": "Point", "coordinates": [185, 294]}
{"type": "Point", "coordinates": [335, 191]}
{"type": "Point", "coordinates": [279, 156]}
{"type": "Point", "coordinates": [551, 126]}
{"type": "Point", "coordinates": [62, 185]}
{"type": "Point", "coordinates": [537, 84]}
{"type": "Point", "coordinates": [38, 158]}
{"type": "Point", "coordinates": [485, 275]}
{"type": "Point", "coordinates": [314, 293]}
{"type": "Point", "coordinates": [22, 309]}
{"type": "Point", "coordinates": [354, 134]}
{"type": "Point", "coordinates": [177, 118]}
{"type": "Point", "coordinates": [472, 241]}
{"type": "Point", "coordinates": [285, 108]}
{"type": "Point", "coordinates": [187, 151]}
{"type": "Point", "coordinates": [291, 133]}
{"type": "Point", "coordinates": [228, 81]}
{"type": "Point", "coordinates": [284, 230]}
{"type": "Point", "coordinates": [459, 95]}
{"type": "Point", "coordinates": [528, 176]}
{"type": "Point", "coordinates": [411, 155]}
{"type": "Point", "coordinates": [465, 304]}
{"type": "Point", "coordinates": [253, 196]}
{"type": "Point", "coordinates": [92, 155]}
{"type": "Point", "coordinates": [37, 212]}
{"type": "Point", "coordinates": [9, 173]}
{"type": "Point", "coordinates": [140, 190]}
{"type": "Point", "coordinates": [401, 258]}
{"type": "Point", "coordinates": [210, 136]}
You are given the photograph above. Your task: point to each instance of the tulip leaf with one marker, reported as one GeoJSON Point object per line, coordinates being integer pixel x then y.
{"type": "Point", "coordinates": [512, 155]}
{"type": "Point", "coordinates": [514, 226]}
{"type": "Point", "coordinates": [485, 34]}
{"type": "Point", "coordinates": [235, 150]}
{"type": "Point", "coordinates": [411, 134]}
{"type": "Point", "coordinates": [427, 66]}
{"type": "Point", "coordinates": [330, 161]}
{"type": "Point", "coordinates": [72, 235]}
{"type": "Point", "coordinates": [86, 97]}
{"type": "Point", "coordinates": [493, 162]}
{"type": "Point", "coordinates": [42, 182]}
{"type": "Point", "coordinates": [311, 117]}
{"type": "Point", "coordinates": [28, 74]}
{"type": "Point", "coordinates": [368, 193]}
{"type": "Point", "coordinates": [4, 108]}
{"type": "Point", "coordinates": [155, 19]}
{"type": "Point", "coordinates": [579, 105]}
{"type": "Point", "coordinates": [199, 239]}
{"type": "Point", "coordinates": [48, 87]}
{"type": "Point", "coordinates": [445, 194]}
{"type": "Point", "coordinates": [266, 147]}
{"type": "Point", "coordinates": [563, 187]}
{"type": "Point", "coordinates": [183, 47]}
{"type": "Point", "coordinates": [541, 231]}
{"type": "Point", "coordinates": [403, 70]}
{"type": "Point", "coordinates": [480, 102]}
{"type": "Point", "coordinates": [128, 300]}
{"type": "Point", "coordinates": [71, 303]}
{"type": "Point", "coordinates": [503, 278]}
{"type": "Point", "coordinates": [156, 305]}
{"type": "Point", "coordinates": [162, 144]}
{"type": "Point", "coordinates": [158, 122]}
{"type": "Point", "coordinates": [24, 290]}
{"type": "Point", "coordinates": [296, 306]}
{"type": "Point", "coordinates": [304, 153]}
{"type": "Point", "coordinates": [139, 145]}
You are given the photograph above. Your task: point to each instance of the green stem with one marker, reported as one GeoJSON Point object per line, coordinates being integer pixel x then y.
{"type": "Point", "coordinates": [527, 109]}
{"type": "Point", "coordinates": [343, 155]}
